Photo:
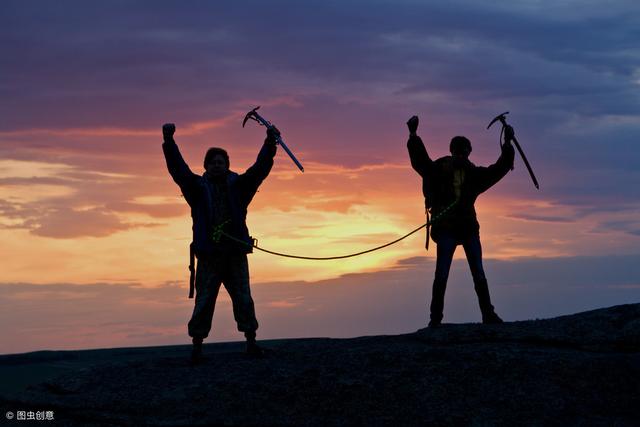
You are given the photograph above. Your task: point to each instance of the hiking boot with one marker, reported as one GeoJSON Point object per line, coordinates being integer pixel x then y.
{"type": "Point", "coordinates": [433, 323]}
{"type": "Point", "coordinates": [491, 318]}
{"type": "Point", "coordinates": [254, 350]}
{"type": "Point", "coordinates": [196, 352]}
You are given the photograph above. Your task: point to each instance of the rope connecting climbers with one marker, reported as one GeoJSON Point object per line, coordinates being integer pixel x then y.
{"type": "Point", "coordinates": [218, 231]}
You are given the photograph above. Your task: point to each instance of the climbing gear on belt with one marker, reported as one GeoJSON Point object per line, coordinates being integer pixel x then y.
{"type": "Point", "coordinates": [218, 231]}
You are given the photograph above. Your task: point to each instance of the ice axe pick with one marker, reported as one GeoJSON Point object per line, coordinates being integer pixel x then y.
{"type": "Point", "coordinates": [503, 120]}
{"type": "Point", "coordinates": [253, 115]}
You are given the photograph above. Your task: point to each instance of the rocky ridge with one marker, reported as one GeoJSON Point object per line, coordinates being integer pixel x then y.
{"type": "Point", "coordinates": [582, 369]}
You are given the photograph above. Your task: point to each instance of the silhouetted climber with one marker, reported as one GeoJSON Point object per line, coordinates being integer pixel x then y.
{"type": "Point", "coordinates": [451, 185]}
{"type": "Point", "coordinates": [219, 199]}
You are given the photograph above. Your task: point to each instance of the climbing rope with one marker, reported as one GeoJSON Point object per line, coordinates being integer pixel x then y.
{"type": "Point", "coordinates": [218, 231]}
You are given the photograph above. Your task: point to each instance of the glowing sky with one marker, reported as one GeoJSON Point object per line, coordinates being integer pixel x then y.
{"type": "Point", "coordinates": [88, 213]}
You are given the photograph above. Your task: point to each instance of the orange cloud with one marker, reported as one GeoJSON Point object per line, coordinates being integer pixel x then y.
{"type": "Point", "coordinates": [69, 223]}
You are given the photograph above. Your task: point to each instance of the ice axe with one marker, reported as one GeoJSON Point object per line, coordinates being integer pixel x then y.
{"type": "Point", "coordinates": [503, 120]}
{"type": "Point", "coordinates": [253, 115]}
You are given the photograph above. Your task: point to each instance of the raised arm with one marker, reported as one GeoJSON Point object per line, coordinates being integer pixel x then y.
{"type": "Point", "coordinates": [178, 168]}
{"type": "Point", "coordinates": [420, 160]}
{"type": "Point", "coordinates": [257, 173]}
{"type": "Point", "coordinates": [489, 176]}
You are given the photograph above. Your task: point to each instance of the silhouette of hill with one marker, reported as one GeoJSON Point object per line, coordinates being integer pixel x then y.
{"type": "Point", "coordinates": [581, 369]}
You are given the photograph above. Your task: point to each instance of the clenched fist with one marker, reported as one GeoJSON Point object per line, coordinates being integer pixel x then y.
{"type": "Point", "coordinates": [168, 129]}
{"type": "Point", "coordinates": [412, 124]}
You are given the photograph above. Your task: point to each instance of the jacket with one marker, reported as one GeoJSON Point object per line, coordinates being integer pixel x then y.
{"type": "Point", "coordinates": [197, 191]}
{"type": "Point", "coordinates": [448, 179]}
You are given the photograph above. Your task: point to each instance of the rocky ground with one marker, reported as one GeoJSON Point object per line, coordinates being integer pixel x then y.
{"type": "Point", "coordinates": [582, 369]}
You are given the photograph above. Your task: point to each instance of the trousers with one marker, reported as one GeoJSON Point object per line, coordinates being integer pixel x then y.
{"type": "Point", "coordinates": [229, 269]}
{"type": "Point", "coordinates": [446, 247]}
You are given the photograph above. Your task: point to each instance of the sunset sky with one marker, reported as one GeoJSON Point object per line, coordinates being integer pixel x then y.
{"type": "Point", "coordinates": [95, 233]}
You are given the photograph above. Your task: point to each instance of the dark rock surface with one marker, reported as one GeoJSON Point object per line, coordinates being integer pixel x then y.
{"type": "Point", "coordinates": [582, 369]}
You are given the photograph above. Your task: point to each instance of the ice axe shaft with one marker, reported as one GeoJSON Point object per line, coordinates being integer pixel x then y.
{"type": "Point", "coordinates": [253, 115]}
{"type": "Point", "coordinates": [503, 120]}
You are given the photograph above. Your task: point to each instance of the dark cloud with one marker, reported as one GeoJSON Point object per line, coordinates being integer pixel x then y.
{"type": "Point", "coordinates": [351, 72]}
{"type": "Point", "coordinates": [91, 60]}
{"type": "Point", "coordinates": [629, 226]}
{"type": "Point", "coordinates": [540, 218]}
